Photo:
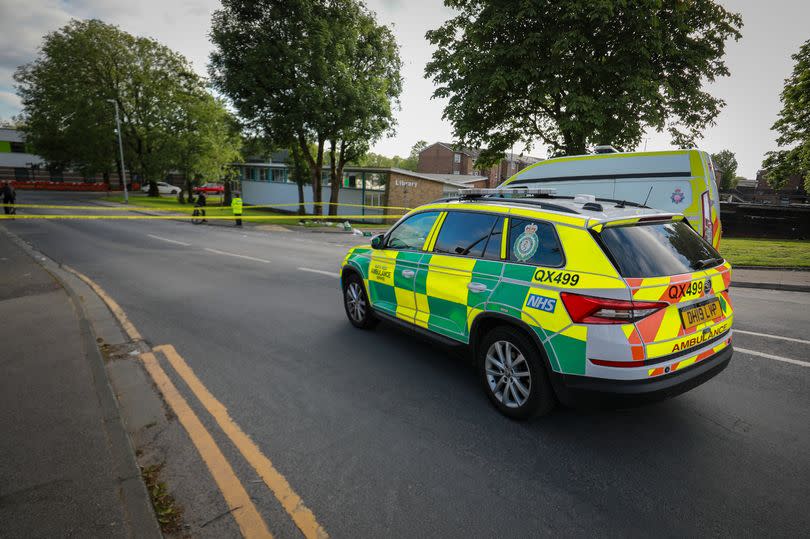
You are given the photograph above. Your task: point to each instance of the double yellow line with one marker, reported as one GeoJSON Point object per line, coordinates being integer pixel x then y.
{"type": "Point", "coordinates": [244, 511]}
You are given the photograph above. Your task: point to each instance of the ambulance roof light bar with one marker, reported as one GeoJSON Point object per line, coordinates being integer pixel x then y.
{"type": "Point", "coordinates": [506, 192]}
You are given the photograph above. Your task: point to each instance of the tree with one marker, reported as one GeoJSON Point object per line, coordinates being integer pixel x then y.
{"type": "Point", "coordinates": [366, 85]}
{"type": "Point", "coordinates": [793, 126]}
{"type": "Point", "coordinates": [208, 140]}
{"type": "Point", "coordinates": [726, 164]}
{"type": "Point", "coordinates": [320, 73]}
{"type": "Point", "coordinates": [67, 92]}
{"type": "Point", "coordinates": [574, 74]}
{"type": "Point", "coordinates": [412, 161]}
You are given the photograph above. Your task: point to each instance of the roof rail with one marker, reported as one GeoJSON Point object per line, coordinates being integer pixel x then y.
{"type": "Point", "coordinates": [513, 192]}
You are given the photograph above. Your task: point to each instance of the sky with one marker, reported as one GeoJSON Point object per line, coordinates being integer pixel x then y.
{"type": "Point", "coordinates": [773, 31]}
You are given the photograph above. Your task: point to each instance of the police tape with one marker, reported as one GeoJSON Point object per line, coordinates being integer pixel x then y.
{"type": "Point", "coordinates": [205, 217]}
{"type": "Point", "coordinates": [192, 208]}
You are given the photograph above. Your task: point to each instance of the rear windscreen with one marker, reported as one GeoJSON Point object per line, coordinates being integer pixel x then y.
{"type": "Point", "coordinates": [660, 249]}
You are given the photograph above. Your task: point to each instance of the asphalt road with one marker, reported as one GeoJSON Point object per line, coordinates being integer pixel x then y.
{"type": "Point", "coordinates": [383, 434]}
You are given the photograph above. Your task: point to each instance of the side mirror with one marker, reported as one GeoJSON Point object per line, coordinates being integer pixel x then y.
{"type": "Point", "coordinates": [377, 241]}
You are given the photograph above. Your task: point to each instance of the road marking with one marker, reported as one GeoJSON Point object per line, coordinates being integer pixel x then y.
{"type": "Point", "coordinates": [292, 503]}
{"type": "Point", "coordinates": [771, 356]}
{"type": "Point", "coordinates": [239, 502]}
{"type": "Point", "coordinates": [116, 309]}
{"type": "Point", "coordinates": [322, 272]}
{"type": "Point", "coordinates": [771, 336]}
{"type": "Point", "coordinates": [169, 241]}
{"type": "Point", "coordinates": [246, 257]}
{"type": "Point", "coordinates": [295, 507]}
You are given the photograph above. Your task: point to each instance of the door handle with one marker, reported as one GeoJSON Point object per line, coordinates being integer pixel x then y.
{"type": "Point", "coordinates": [477, 287]}
{"type": "Point", "coordinates": [408, 273]}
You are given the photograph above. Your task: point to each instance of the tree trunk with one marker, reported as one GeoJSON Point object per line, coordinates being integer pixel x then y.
{"type": "Point", "coordinates": [302, 209]}
{"type": "Point", "coordinates": [226, 194]}
{"type": "Point", "coordinates": [334, 183]}
{"type": "Point", "coordinates": [153, 190]}
{"type": "Point", "coordinates": [189, 190]}
{"type": "Point", "coordinates": [120, 173]}
{"type": "Point", "coordinates": [573, 144]}
{"type": "Point", "coordinates": [316, 166]}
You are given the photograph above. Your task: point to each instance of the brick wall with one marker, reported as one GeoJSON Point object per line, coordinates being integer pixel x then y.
{"type": "Point", "coordinates": [435, 159]}
{"type": "Point", "coordinates": [410, 192]}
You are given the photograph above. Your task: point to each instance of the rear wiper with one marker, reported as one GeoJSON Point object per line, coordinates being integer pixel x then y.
{"type": "Point", "coordinates": [708, 262]}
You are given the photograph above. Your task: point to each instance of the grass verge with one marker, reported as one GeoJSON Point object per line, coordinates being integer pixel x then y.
{"type": "Point", "coordinates": [765, 252]}
{"type": "Point", "coordinates": [170, 203]}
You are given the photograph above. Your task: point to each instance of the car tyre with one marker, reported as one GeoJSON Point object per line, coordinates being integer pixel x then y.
{"type": "Point", "coordinates": [513, 374]}
{"type": "Point", "coordinates": [355, 301]}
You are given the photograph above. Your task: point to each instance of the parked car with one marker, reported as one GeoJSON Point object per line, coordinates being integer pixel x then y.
{"type": "Point", "coordinates": [681, 181]}
{"type": "Point", "coordinates": [210, 189]}
{"type": "Point", "coordinates": [574, 299]}
{"type": "Point", "coordinates": [163, 188]}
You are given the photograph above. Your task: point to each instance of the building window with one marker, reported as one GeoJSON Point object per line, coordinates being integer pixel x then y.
{"type": "Point", "coordinates": [373, 198]}
{"type": "Point", "coordinates": [18, 147]}
{"type": "Point", "coordinates": [280, 175]}
{"type": "Point", "coordinates": [457, 158]}
{"type": "Point", "coordinates": [21, 174]}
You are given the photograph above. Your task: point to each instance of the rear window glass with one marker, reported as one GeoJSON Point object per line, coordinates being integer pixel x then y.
{"type": "Point", "coordinates": [656, 250]}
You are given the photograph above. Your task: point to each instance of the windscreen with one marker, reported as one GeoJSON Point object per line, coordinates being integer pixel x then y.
{"type": "Point", "coordinates": [659, 249]}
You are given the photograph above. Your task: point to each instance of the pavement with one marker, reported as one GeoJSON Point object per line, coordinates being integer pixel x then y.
{"type": "Point", "coordinates": [379, 433]}
{"type": "Point", "coordinates": [68, 468]}
{"type": "Point", "coordinates": [773, 279]}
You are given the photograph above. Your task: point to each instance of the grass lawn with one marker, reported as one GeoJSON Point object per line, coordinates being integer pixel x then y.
{"type": "Point", "coordinates": [764, 252]}
{"type": "Point", "coordinates": [170, 204]}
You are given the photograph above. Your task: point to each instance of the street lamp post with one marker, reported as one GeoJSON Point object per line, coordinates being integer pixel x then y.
{"type": "Point", "coordinates": [121, 150]}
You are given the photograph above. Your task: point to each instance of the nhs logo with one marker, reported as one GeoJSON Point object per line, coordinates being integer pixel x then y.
{"type": "Point", "coordinates": [542, 303]}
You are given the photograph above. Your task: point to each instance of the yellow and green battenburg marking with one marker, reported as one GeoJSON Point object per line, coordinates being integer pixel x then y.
{"type": "Point", "coordinates": [433, 293]}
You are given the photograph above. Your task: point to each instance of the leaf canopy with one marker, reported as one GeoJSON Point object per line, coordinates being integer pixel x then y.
{"type": "Point", "coordinates": [579, 73]}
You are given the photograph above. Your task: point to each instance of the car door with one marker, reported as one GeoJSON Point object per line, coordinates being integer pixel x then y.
{"type": "Point", "coordinates": [454, 280]}
{"type": "Point", "coordinates": [392, 269]}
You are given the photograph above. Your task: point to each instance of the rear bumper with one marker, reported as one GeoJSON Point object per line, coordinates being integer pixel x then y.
{"type": "Point", "coordinates": [584, 391]}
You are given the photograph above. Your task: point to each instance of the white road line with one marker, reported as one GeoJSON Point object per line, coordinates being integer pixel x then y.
{"type": "Point", "coordinates": [170, 241]}
{"type": "Point", "coordinates": [771, 336]}
{"type": "Point", "coordinates": [322, 272]}
{"type": "Point", "coordinates": [238, 256]}
{"type": "Point", "coordinates": [770, 356]}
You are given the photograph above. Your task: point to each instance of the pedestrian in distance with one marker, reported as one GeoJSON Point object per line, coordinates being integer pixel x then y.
{"type": "Point", "coordinates": [236, 206]}
{"type": "Point", "coordinates": [9, 197]}
{"type": "Point", "coordinates": [199, 208]}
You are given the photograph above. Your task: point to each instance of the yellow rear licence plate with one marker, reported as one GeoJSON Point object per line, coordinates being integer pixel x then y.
{"type": "Point", "coordinates": [699, 314]}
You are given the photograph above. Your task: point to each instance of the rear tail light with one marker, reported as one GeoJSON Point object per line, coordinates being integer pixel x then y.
{"type": "Point", "coordinates": [593, 310]}
{"type": "Point", "coordinates": [708, 228]}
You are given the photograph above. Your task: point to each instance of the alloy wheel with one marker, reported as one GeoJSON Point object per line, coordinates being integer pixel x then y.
{"type": "Point", "coordinates": [355, 302]}
{"type": "Point", "coordinates": [508, 374]}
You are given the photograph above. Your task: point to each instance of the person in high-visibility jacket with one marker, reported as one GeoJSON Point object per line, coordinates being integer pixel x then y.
{"type": "Point", "coordinates": [236, 206]}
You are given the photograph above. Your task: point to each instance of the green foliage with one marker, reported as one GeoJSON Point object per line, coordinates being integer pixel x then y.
{"type": "Point", "coordinates": [208, 139]}
{"type": "Point", "coordinates": [793, 126]}
{"type": "Point", "coordinates": [307, 72]}
{"type": "Point", "coordinates": [578, 73]}
{"type": "Point", "coordinates": [371, 159]}
{"type": "Point", "coordinates": [168, 120]}
{"type": "Point", "coordinates": [726, 164]}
